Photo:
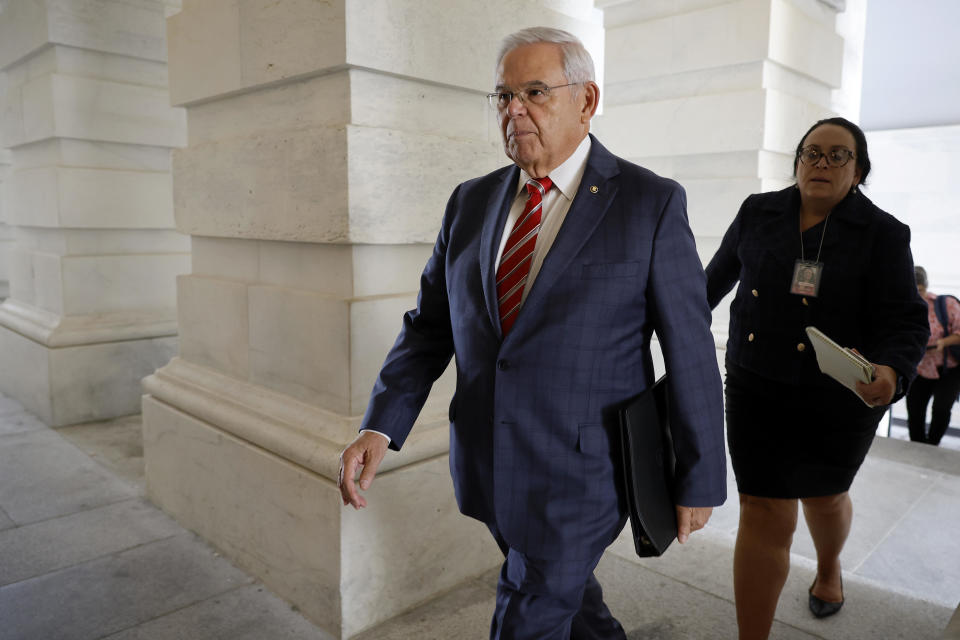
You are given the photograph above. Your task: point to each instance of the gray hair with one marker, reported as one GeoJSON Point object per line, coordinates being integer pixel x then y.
{"type": "Point", "coordinates": [577, 63]}
{"type": "Point", "coordinates": [921, 275]}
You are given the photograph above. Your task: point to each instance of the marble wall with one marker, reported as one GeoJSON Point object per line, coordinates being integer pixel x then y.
{"type": "Point", "coordinates": [89, 127]}
{"type": "Point", "coordinates": [716, 94]}
{"type": "Point", "coordinates": [6, 232]}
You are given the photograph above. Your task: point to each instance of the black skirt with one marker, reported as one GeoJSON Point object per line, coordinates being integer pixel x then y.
{"type": "Point", "coordinates": [795, 441]}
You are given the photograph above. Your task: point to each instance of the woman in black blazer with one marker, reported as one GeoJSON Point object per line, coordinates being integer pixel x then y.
{"type": "Point", "coordinates": [818, 253]}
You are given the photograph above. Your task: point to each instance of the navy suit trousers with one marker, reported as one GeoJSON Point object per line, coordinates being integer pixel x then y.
{"type": "Point", "coordinates": [550, 600]}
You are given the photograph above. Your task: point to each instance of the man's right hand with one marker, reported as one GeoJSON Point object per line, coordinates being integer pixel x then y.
{"type": "Point", "coordinates": [366, 451]}
{"type": "Point", "coordinates": [690, 519]}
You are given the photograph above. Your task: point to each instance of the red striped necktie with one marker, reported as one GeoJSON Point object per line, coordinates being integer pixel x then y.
{"type": "Point", "coordinates": [518, 254]}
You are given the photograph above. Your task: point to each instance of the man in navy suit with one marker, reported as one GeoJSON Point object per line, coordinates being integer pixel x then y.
{"type": "Point", "coordinates": [548, 295]}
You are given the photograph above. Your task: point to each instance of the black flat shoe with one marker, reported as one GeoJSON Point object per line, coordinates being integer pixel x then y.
{"type": "Point", "coordinates": [821, 608]}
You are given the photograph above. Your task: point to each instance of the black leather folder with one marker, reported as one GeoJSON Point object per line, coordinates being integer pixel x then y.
{"type": "Point", "coordinates": [648, 470]}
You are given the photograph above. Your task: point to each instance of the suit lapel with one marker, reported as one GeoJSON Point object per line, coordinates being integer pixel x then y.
{"type": "Point", "coordinates": [494, 218]}
{"type": "Point", "coordinates": [781, 237]}
{"type": "Point", "coordinates": [597, 191]}
{"type": "Point", "coordinates": [779, 232]}
{"type": "Point", "coordinates": [850, 212]}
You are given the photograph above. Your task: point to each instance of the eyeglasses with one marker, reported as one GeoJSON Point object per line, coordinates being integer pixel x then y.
{"type": "Point", "coordinates": [536, 95]}
{"type": "Point", "coordinates": [810, 156]}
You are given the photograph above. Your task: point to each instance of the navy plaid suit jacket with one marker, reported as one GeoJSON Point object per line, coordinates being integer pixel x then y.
{"type": "Point", "coordinates": [533, 433]}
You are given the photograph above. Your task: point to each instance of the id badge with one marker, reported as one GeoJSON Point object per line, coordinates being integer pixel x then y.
{"type": "Point", "coordinates": [806, 278]}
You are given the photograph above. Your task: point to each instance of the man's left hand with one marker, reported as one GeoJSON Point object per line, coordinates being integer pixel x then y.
{"type": "Point", "coordinates": [690, 519]}
{"type": "Point", "coordinates": [880, 392]}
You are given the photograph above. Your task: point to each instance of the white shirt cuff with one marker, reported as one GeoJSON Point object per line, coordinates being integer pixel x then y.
{"type": "Point", "coordinates": [378, 433]}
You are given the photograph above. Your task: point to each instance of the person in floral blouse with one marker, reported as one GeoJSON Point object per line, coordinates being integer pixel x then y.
{"type": "Point", "coordinates": [932, 378]}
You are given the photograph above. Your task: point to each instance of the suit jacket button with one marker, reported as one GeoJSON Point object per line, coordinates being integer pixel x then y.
{"type": "Point", "coordinates": [756, 294]}
{"type": "Point", "coordinates": [750, 338]}
{"type": "Point", "coordinates": [503, 365]}
{"type": "Point", "coordinates": [801, 347]}
{"type": "Point", "coordinates": [805, 303]}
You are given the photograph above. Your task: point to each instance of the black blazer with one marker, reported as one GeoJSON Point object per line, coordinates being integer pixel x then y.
{"type": "Point", "coordinates": [867, 299]}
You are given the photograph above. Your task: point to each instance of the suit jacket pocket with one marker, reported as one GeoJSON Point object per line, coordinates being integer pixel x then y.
{"type": "Point", "coordinates": [594, 439]}
{"type": "Point", "coordinates": [611, 270]}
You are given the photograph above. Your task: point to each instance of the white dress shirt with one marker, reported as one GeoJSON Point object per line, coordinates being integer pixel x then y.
{"type": "Point", "coordinates": [556, 202]}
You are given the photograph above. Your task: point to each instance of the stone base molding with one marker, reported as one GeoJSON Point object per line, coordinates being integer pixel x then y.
{"type": "Point", "coordinates": [72, 369]}
{"type": "Point", "coordinates": [55, 331]}
{"type": "Point", "coordinates": [304, 434]}
{"type": "Point", "coordinates": [248, 470]}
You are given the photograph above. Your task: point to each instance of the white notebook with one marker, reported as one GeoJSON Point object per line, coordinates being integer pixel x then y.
{"type": "Point", "coordinates": [840, 363]}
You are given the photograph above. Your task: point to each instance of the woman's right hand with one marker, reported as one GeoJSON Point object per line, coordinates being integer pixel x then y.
{"type": "Point", "coordinates": [880, 392]}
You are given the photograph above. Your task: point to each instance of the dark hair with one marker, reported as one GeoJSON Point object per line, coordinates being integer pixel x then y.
{"type": "Point", "coordinates": [862, 157]}
{"type": "Point", "coordinates": [921, 275]}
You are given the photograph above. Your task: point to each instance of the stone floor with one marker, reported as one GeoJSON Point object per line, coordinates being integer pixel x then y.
{"type": "Point", "coordinates": [901, 576]}
{"type": "Point", "coordinates": [84, 556]}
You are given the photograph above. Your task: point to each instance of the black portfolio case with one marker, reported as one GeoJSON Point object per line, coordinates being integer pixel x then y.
{"type": "Point", "coordinates": [648, 470]}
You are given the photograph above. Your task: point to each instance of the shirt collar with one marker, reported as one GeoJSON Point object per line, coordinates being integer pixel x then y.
{"type": "Point", "coordinates": [566, 178]}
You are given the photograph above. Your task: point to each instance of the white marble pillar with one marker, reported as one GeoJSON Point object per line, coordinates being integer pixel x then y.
{"type": "Point", "coordinates": [87, 118]}
{"type": "Point", "coordinates": [852, 27]}
{"type": "Point", "coordinates": [6, 233]}
{"type": "Point", "coordinates": [324, 141]}
{"type": "Point", "coordinates": [716, 95]}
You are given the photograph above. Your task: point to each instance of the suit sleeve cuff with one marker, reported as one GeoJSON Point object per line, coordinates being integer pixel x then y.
{"type": "Point", "coordinates": [380, 433]}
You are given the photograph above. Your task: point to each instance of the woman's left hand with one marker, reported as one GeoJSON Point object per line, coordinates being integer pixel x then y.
{"type": "Point", "coordinates": [880, 392]}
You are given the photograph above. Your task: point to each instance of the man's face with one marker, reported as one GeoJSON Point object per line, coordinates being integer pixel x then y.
{"type": "Point", "coordinates": [539, 137]}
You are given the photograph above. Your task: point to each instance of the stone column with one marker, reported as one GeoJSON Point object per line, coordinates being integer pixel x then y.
{"type": "Point", "coordinates": [852, 27]}
{"type": "Point", "coordinates": [87, 119]}
{"type": "Point", "coordinates": [716, 94]}
{"type": "Point", "coordinates": [324, 141]}
{"type": "Point", "coordinates": [6, 233]}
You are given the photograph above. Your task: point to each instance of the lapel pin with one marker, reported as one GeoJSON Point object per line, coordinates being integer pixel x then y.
{"type": "Point", "coordinates": [594, 188]}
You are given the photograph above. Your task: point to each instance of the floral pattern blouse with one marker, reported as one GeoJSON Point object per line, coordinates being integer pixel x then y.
{"type": "Point", "coordinates": [933, 359]}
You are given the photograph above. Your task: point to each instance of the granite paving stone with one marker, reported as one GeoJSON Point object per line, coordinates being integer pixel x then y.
{"type": "Point", "coordinates": [116, 444]}
{"type": "Point", "coordinates": [875, 513]}
{"type": "Point", "coordinates": [5, 521]}
{"type": "Point", "coordinates": [247, 613]}
{"type": "Point", "coordinates": [652, 606]}
{"type": "Point", "coordinates": [53, 544]}
{"type": "Point", "coordinates": [18, 422]}
{"type": "Point", "coordinates": [921, 456]}
{"type": "Point", "coordinates": [463, 613]}
{"type": "Point", "coordinates": [8, 405]}
{"type": "Point", "coordinates": [704, 561]}
{"type": "Point", "coordinates": [952, 632]}
{"type": "Point", "coordinates": [115, 592]}
{"type": "Point", "coordinates": [925, 547]}
{"type": "Point", "coordinates": [871, 612]}
{"type": "Point", "coordinates": [43, 476]}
